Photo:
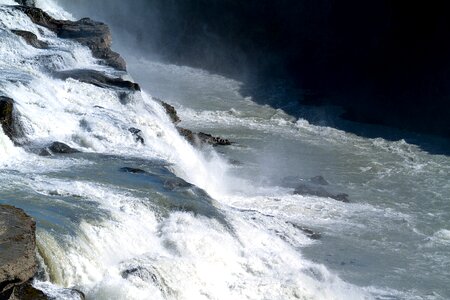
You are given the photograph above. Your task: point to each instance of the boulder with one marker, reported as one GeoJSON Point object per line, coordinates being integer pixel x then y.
{"type": "Point", "coordinates": [95, 35]}
{"type": "Point", "coordinates": [17, 249]}
{"type": "Point", "coordinates": [28, 292]}
{"type": "Point", "coordinates": [8, 120]}
{"type": "Point", "coordinates": [98, 78]}
{"type": "Point", "coordinates": [58, 148]}
{"type": "Point", "coordinates": [31, 39]}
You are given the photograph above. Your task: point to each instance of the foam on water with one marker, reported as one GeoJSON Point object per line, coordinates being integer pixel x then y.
{"type": "Point", "coordinates": [124, 247]}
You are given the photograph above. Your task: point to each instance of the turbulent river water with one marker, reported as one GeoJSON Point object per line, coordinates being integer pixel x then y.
{"type": "Point", "coordinates": [208, 223]}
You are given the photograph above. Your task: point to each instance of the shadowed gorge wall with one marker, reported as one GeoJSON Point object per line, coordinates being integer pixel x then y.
{"type": "Point", "coordinates": [385, 62]}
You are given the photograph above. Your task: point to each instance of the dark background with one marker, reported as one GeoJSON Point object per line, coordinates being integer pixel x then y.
{"type": "Point", "coordinates": [384, 62]}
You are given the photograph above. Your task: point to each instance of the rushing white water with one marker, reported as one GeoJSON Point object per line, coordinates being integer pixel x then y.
{"type": "Point", "coordinates": [106, 241]}
{"type": "Point", "coordinates": [128, 236]}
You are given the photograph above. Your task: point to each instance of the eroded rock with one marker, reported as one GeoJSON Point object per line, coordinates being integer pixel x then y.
{"type": "Point", "coordinates": [58, 148]}
{"type": "Point", "coordinates": [31, 39]}
{"type": "Point", "coordinates": [95, 35]}
{"type": "Point", "coordinates": [171, 112]}
{"type": "Point", "coordinates": [9, 121]}
{"type": "Point", "coordinates": [17, 249]}
{"type": "Point", "coordinates": [98, 78]}
{"type": "Point", "coordinates": [200, 138]}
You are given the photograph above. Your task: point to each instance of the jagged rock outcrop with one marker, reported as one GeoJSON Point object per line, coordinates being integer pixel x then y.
{"type": "Point", "coordinates": [31, 39]}
{"type": "Point", "coordinates": [98, 78]}
{"type": "Point", "coordinates": [171, 111]}
{"type": "Point", "coordinates": [195, 138]}
{"type": "Point", "coordinates": [200, 138]}
{"type": "Point", "coordinates": [95, 35]}
{"type": "Point", "coordinates": [8, 121]}
{"type": "Point", "coordinates": [17, 244]}
{"type": "Point", "coordinates": [18, 264]}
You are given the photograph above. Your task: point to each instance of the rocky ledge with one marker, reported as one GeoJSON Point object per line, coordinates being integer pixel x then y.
{"type": "Point", "coordinates": [17, 251]}
{"type": "Point", "coordinates": [95, 35]}
{"type": "Point", "coordinates": [18, 264]}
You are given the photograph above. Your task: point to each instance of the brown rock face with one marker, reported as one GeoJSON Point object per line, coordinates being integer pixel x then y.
{"type": "Point", "coordinates": [17, 249]}
{"type": "Point", "coordinates": [95, 35]}
{"type": "Point", "coordinates": [31, 39]}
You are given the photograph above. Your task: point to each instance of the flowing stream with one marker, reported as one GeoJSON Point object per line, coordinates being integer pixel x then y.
{"type": "Point", "coordinates": [209, 223]}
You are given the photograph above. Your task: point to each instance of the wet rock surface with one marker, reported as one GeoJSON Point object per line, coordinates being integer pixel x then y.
{"type": "Point", "coordinates": [98, 78]}
{"type": "Point", "coordinates": [31, 39]}
{"type": "Point", "coordinates": [314, 186]}
{"type": "Point", "coordinates": [17, 249]}
{"type": "Point", "coordinates": [137, 134]}
{"type": "Point", "coordinates": [311, 190]}
{"type": "Point", "coordinates": [9, 121]}
{"type": "Point", "coordinates": [95, 35]}
{"type": "Point", "coordinates": [58, 148]}
{"type": "Point", "coordinates": [31, 3]}
{"type": "Point", "coordinates": [200, 138]}
{"type": "Point", "coordinates": [171, 111]}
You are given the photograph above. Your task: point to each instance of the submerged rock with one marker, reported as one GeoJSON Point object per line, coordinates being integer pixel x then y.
{"type": "Point", "coordinates": [58, 148]}
{"type": "Point", "coordinates": [31, 39]}
{"type": "Point", "coordinates": [308, 232]}
{"type": "Point", "coordinates": [133, 170]}
{"type": "Point", "coordinates": [318, 180]}
{"type": "Point", "coordinates": [137, 133]}
{"type": "Point", "coordinates": [95, 35]}
{"type": "Point", "coordinates": [17, 244]}
{"type": "Point", "coordinates": [309, 190]}
{"type": "Point", "coordinates": [98, 78]}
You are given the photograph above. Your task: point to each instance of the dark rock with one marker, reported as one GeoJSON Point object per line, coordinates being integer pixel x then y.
{"type": "Point", "coordinates": [213, 140]}
{"type": "Point", "coordinates": [31, 39]}
{"type": "Point", "coordinates": [197, 139]}
{"type": "Point", "coordinates": [28, 292]}
{"type": "Point", "coordinates": [8, 120]}
{"type": "Point", "coordinates": [133, 170]}
{"type": "Point", "coordinates": [171, 111]}
{"type": "Point", "coordinates": [137, 133]}
{"type": "Point", "coordinates": [31, 3]}
{"type": "Point", "coordinates": [45, 152]}
{"type": "Point", "coordinates": [59, 148]}
{"type": "Point", "coordinates": [310, 190]}
{"type": "Point", "coordinates": [140, 272]}
{"type": "Point", "coordinates": [17, 249]}
{"type": "Point", "coordinates": [318, 180]}
{"type": "Point", "coordinates": [95, 35]}
{"type": "Point", "coordinates": [174, 183]}
{"type": "Point", "coordinates": [98, 78]}
{"type": "Point", "coordinates": [308, 232]}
